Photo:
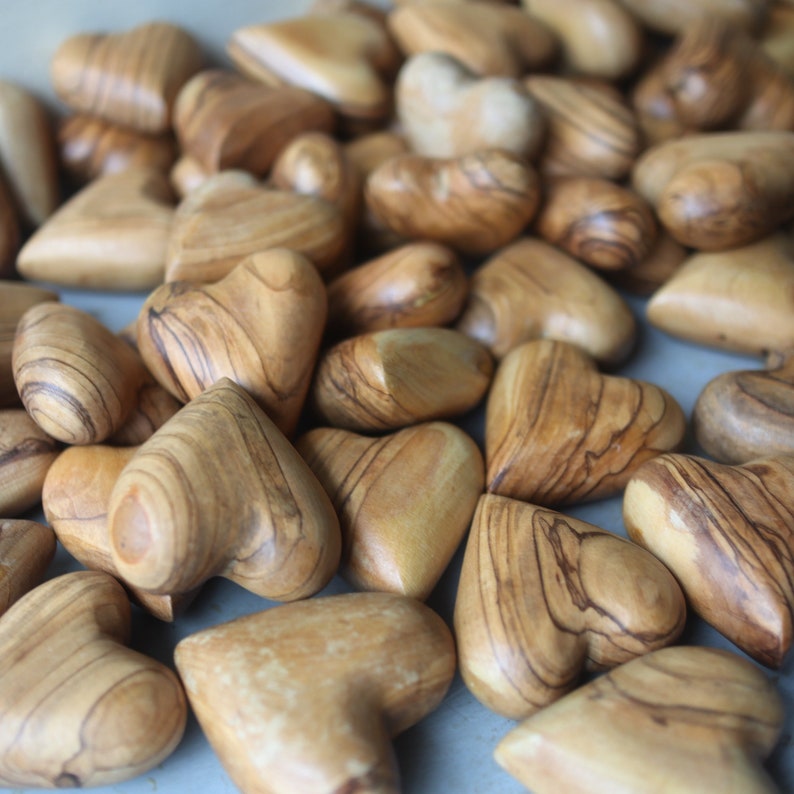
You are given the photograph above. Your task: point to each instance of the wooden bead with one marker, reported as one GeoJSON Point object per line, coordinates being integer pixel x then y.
{"type": "Point", "coordinates": [26, 550]}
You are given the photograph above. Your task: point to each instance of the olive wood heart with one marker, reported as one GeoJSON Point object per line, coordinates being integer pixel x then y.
{"type": "Point", "coordinates": [656, 269]}
{"type": "Point", "coordinates": [314, 691]}
{"type": "Point", "coordinates": [435, 473]}
{"type": "Point", "coordinates": [557, 431]}
{"type": "Point", "coordinates": [683, 719]}
{"type": "Point", "coordinates": [543, 596]}
{"type": "Point", "coordinates": [727, 533]}
{"type": "Point", "coordinates": [184, 510]}
{"type": "Point", "coordinates": [675, 16]}
{"type": "Point", "coordinates": [26, 550]}
{"type": "Point", "coordinates": [187, 175]}
{"type": "Point", "coordinates": [260, 326]}
{"type": "Point", "coordinates": [80, 708]}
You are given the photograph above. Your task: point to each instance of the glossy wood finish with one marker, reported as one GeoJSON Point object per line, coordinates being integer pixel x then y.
{"type": "Point", "coordinates": [26, 550]}
{"type": "Point", "coordinates": [656, 269]}
{"type": "Point", "coordinates": [675, 16]}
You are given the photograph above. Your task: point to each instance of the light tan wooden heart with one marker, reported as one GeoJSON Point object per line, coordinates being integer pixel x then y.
{"type": "Point", "coordinates": [26, 550]}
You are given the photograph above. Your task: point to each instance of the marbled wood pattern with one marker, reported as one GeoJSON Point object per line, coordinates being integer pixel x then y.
{"type": "Point", "coordinates": [15, 299]}
{"type": "Point", "coordinates": [727, 533]}
{"type": "Point", "coordinates": [184, 509]}
{"type": "Point", "coordinates": [260, 326]}
{"type": "Point", "coordinates": [78, 707]}
{"type": "Point", "coordinates": [77, 379]}
{"type": "Point", "coordinates": [475, 203]}
{"type": "Point", "coordinates": [558, 432]}
{"type": "Point", "coordinates": [532, 290]}
{"type": "Point", "coordinates": [683, 719]}
{"type": "Point", "coordinates": [404, 501]}
{"type": "Point", "coordinates": [662, 262]}
{"type": "Point", "coordinates": [543, 596]}
{"type": "Point", "coordinates": [75, 500]}
{"type": "Point", "coordinates": [26, 549]}
{"type": "Point", "coordinates": [313, 691]}
{"type": "Point", "coordinates": [590, 132]}
{"type": "Point", "coordinates": [414, 285]}
{"type": "Point", "coordinates": [26, 452]}
{"type": "Point", "coordinates": [226, 121]}
{"type": "Point", "coordinates": [390, 379]}
{"type": "Point", "coordinates": [229, 217]}
{"type": "Point", "coordinates": [153, 407]}
{"type": "Point", "coordinates": [130, 78]}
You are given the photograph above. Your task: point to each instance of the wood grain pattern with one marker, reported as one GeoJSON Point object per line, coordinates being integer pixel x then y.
{"type": "Point", "coordinates": [76, 378]}
{"type": "Point", "coordinates": [184, 509]}
{"type": "Point", "coordinates": [557, 431]}
{"type": "Point", "coordinates": [727, 533]}
{"type": "Point", "coordinates": [187, 175]}
{"type": "Point", "coordinates": [435, 473]}
{"type": "Point", "coordinates": [130, 78]}
{"type": "Point", "coordinates": [315, 690]}
{"type": "Point", "coordinates": [543, 596]}
{"type": "Point", "coordinates": [648, 275]}
{"type": "Point", "coordinates": [26, 452]}
{"type": "Point", "coordinates": [475, 203]}
{"type": "Point", "coordinates": [675, 16]}
{"type": "Point", "coordinates": [679, 719]}
{"type": "Point", "coordinates": [154, 406]}
{"type": "Point", "coordinates": [26, 550]}
{"type": "Point", "coordinates": [80, 708]}
{"type": "Point", "coordinates": [399, 377]}
{"type": "Point", "coordinates": [748, 414]}
{"type": "Point", "coordinates": [531, 290]}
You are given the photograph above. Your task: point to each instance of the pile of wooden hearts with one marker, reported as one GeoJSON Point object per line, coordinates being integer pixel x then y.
{"type": "Point", "coordinates": [326, 291]}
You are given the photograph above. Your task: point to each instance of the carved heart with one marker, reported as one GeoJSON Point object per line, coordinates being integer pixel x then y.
{"type": "Point", "coordinates": [313, 691]}
{"type": "Point", "coordinates": [26, 549]}
{"type": "Point", "coordinates": [727, 533]}
{"type": "Point", "coordinates": [679, 719]}
{"type": "Point", "coordinates": [79, 708]}
{"type": "Point", "coordinates": [559, 432]}
{"type": "Point", "coordinates": [542, 596]}
{"type": "Point", "coordinates": [433, 471]}
{"type": "Point", "coordinates": [112, 235]}
{"type": "Point", "coordinates": [261, 326]}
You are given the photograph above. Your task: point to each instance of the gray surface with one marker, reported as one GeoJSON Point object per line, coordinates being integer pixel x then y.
{"type": "Point", "coordinates": [451, 750]}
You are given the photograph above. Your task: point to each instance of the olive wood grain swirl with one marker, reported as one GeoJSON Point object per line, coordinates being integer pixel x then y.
{"type": "Point", "coordinates": [314, 691]}
{"type": "Point", "coordinates": [727, 533]}
{"type": "Point", "coordinates": [79, 708]}
{"type": "Point", "coordinates": [184, 509]}
{"type": "Point", "coordinates": [26, 550]}
{"type": "Point", "coordinates": [682, 719]}
{"type": "Point", "coordinates": [559, 432]}
{"type": "Point", "coordinates": [129, 78]}
{"type": "Point", "coordinates": [542, 596]}
{"type": "Point", "coordinates": [749, 414]}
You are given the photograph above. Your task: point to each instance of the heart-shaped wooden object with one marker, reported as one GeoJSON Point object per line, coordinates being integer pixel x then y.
{"type": "Point", "coordinates": [226, 121]}
{"type": "Point", "coordinates": [77, 379]}
{"type": "Point", "coordinates": [80, 708]}
{"type": "Point", "coordinates": [399, 377]}
{"type": "Point", "coordinates": [260, 326]}
{"type": "Point", "coordinates": [531, 290]}
{"type": "Point", "coordinates": [26, 549]}
{"type": "Point", "coordinates": [543, 596]}
{"type": "Point", "coordinates": [130, 78]}
{"type": "Point", "coordinates": [184, 510]}
{"type": "Point", "coordinates": [26, 452]}
{"type": "Point", "coordinates": [435, 473]}
{"type": "Point", "coordinates": [675, 16]}
{"type": "Point", "coordinates": [749, 414]}
{"type": "Point", "coordinates": [557, 431]}
{"type": "Point", "coordinates": [154, 406]}
{"type": "Point", "coordinates": [112, 235]}
{"type": "Point", "coordinates": [740, 299]}
{"type": "Point", "coordinates": [346, 58]}
{"type": "Point", "coordinates": [231, 216]}
{"type": "Point", "coordinates": [683, 719]}
{"type": "Point", "coordinates": [312, 692]}
{"type": "Point", "coordinates": [663, 260]}
{"type": "Point", "coordinates": [727, 533]}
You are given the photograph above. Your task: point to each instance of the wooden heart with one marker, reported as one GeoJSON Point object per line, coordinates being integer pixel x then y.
{"type": "Point", "coordinates": [312, 692]}
{"type": "Point", "coordinates": [727, 533]}
{"type": "Point", "coordinates": [433, 471]}
{"type": "Point", "coordinates": [130, 78]}
{"type": "Point", "coordinates": [683, 719]}
{"type": "Point", "coordinates": [26, 550]}
{"type": "Point", "coordinates": [10, 233]}
{"type": "Point", "coordinates": [261, 326]}
{"type": "Point", "coordinates": [557, 431]}
{"type": "Point", "coordinates": [543, 596]}
{"type": "Point", "coordinates": [744, 415]}
{"type": "Point", "coordinates": [80, 708]}
{"type": "Point", "coordinates": [112, 235]}
{"type": "Point", "coordinates": [231, 216]}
